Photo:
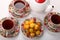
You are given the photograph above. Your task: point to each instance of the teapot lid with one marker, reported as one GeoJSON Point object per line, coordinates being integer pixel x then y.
{"type": "Point", "coordinates": [40, 1]}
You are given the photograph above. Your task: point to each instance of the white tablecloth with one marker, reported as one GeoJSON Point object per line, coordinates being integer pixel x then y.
{"type": "Point", "coordinates": [47, 35]}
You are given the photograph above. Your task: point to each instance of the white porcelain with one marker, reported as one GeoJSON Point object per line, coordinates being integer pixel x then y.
{"type": "Point", "coordinates": [40, 7]}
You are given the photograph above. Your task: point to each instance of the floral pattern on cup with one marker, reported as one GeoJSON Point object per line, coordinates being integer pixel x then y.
{"type": "Point", "coordinates": [20, 13]}
{"type": "Point", "coordinates": [5, 31]}
{"type": "Point", "coordinates": [49, 23]}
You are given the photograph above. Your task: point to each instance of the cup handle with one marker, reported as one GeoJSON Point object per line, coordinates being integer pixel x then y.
{"type": "Point", "coordinates": [6, 32]}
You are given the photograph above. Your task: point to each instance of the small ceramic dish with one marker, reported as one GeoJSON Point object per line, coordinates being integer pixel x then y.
{"type": "Point", "coordinates": [32, 28]}
{"type": "Point", "coordinates": [52, 21]}
{"type": "Point", "coordinates": [19, 8]}
{"type": "Point", "coordinates": [9, 27]}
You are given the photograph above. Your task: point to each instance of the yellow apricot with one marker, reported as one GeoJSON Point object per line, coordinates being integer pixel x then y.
{"type": "Point", "coordinates": [36, 27]}
{"type": "Point", "coordinates": [32, 34]}
{"type": "Point", "coordinates": [32, 20]}
{"type": "Point", "coordinates": [27, 22]}
{"type": "Point", "coordinates": [32, 25]}
{"type": "Point", "coordinates": [38, 23]}
{"type": "Point", "coordinates": [38, 32]}
{"type": "Point", "coordinates": [26, 26]}
{"type": "Point", "coordinates": [30, 30]}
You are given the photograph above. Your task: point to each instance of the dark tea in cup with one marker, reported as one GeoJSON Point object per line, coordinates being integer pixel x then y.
{"type": "Point", "coordinates": [55, 19]}
{"type": "Point", "coordinates": [7, 24]}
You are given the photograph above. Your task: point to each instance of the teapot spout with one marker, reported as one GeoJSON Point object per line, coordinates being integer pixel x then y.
{"type": "Point", "coordinates": [49, 8]}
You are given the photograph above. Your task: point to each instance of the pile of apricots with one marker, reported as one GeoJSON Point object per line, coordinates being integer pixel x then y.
{"type": "Point", "coordinates": [31, 27]}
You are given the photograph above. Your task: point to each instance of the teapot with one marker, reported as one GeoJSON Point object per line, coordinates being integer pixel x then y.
{"type": "Point", "coordinates": [40, 5]}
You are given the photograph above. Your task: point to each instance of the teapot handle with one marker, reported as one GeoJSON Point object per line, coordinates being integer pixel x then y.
{"type": "Point", "coordinates": [49, 8]}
